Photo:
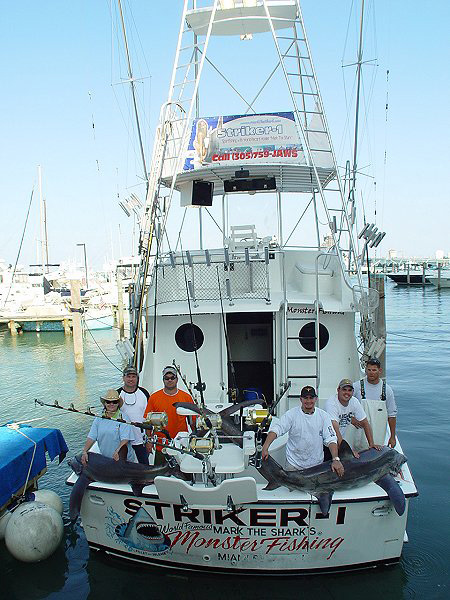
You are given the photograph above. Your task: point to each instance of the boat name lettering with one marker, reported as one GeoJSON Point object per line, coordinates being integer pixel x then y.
{"type": "Point", "coordinates": [242, 517]}
{"type": "Point", "coordinates": [225, 132]}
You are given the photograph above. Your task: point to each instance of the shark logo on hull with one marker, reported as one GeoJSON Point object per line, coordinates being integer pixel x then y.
{"type": "Point", "coordinates": [143, 533]}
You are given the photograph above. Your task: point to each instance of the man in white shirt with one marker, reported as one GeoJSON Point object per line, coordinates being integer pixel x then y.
{"type": "Point", "coordinates": [135, 400]}
{"type": "Point", "coordinates": [372, 387]}
{"type": "Point", "coordinates": [309, 429]}
{"type": "Point", "coordinates": [344, 408]}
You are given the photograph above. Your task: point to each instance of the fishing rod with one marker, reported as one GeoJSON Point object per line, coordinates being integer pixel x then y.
{"type": "Point", "coordinates": [199, 386]}
{"type": "Point", "coordinates": [232, 392]}
{"type": "Point", "coordinates": [155, 419]}
{"type": "Point", "coordinates": [202, 408]}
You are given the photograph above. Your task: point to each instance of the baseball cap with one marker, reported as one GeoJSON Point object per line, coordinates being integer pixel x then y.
{"type": "Point", "coordinates": [345, 382]}
{"type": "Point", "coordinates": [373, 361]}
{"type": "Point", "coordinates": [308, 391]}
{"type": "Point", "coordinates": [130, 371]}
{"type": "Point", "coordinates": [170, 370]}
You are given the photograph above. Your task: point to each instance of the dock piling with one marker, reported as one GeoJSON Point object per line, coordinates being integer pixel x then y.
{"type": "Point", "coordinates": [120, 304]}
{"type": "Point", "coordinates": [75, 296]}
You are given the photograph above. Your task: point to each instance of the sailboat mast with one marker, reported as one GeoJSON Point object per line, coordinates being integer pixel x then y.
{"type": "Point", "coordinates": [43, 219]}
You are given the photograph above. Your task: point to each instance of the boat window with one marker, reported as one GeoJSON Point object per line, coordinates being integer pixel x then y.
{"type": "Point", "coordinates": [307, 335]}
{"type": "Point", "coordinates": [189, 337]}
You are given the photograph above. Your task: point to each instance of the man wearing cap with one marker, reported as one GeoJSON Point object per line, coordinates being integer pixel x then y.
{"type": "Point", "coordinates": [135, 400]}
{"type": "Point", "coordinates": [163, 401]}
{"type": "Point", "coordinates": [309, 428]}
{"type": "Point", "coordinates": [344, 409]}
{"type": "Point", "coordinates": [112, 437]}
{"type": "Point", "coordinates": [373, 387]}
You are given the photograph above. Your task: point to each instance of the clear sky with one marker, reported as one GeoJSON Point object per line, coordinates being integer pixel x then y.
{"type": "Point", "coordinates": [63, 107]}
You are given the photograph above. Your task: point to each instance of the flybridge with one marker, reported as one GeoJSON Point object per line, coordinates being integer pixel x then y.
{"type": "Point", "coordinates": [245, 130]}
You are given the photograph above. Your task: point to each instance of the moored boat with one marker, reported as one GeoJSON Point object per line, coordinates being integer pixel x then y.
{"type": "Point", "coordinates": [260, 318]}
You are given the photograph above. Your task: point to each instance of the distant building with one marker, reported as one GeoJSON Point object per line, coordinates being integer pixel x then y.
{"type": "Point", "coordinates": [439, 254]}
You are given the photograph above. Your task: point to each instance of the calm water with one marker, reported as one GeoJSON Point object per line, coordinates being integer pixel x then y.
{"type": "Point", "coordinates": [418, 324]}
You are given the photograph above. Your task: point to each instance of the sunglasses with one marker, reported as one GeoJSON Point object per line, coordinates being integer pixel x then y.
{"type": "Point", "coordinates": [172, 377]}
{"type": "Point", "coordinates": [111, 402]}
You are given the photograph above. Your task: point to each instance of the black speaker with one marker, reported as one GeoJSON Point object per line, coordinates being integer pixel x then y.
{"type": "Point", "coordinates": [202, 193]}
{"type": "Point", "coordinates": [255, 184]}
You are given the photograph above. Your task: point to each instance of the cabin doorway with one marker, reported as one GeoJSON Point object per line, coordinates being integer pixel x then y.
{"type": "Point", "coordinates": [250, 338]}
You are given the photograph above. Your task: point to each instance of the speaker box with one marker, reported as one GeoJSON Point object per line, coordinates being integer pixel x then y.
{"type": "Point", "coordinates": [202, 193]}
{"type": "Point", "coordinates": [255, 184]}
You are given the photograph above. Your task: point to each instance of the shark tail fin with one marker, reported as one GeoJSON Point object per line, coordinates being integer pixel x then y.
{"type": "Point", "coordinates": [76, 496]}
{"type": "Point", "coordinates": [273, 485]}
{"type": "Point", "coordinates": [325, 502]}
{"type": "Point", "coordinates": [394, 491]}
{"type": "Point", "coordinates": [137, 488]}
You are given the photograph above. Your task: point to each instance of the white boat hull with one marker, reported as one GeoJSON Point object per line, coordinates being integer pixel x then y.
{"type": "Point", "coordinates": [272, 537]}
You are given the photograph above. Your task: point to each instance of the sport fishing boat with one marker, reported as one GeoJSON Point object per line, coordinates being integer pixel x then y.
{"type": "Point", "coordinates": [250, 321]}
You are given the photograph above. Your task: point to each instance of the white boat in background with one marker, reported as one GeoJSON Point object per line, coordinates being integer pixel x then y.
{"type": "Point", "coordinates": [440, 282]}
{"type": "Point", "coordinates": [259, 315]}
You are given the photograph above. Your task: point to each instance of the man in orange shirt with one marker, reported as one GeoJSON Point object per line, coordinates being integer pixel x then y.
{"type": "Point", "coordinates": [163, 401]}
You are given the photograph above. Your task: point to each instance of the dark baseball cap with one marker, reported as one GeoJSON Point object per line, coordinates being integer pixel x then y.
{"type": "Point", "coordinates": [308, 390]}
{"type": "Point", "coordinates": [373, 361]}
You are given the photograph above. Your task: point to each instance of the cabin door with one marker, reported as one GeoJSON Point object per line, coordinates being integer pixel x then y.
{"type": "Point", "coordinates": [251, 352]}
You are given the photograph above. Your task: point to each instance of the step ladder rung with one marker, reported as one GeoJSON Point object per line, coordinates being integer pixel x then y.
{"type": "Point", "coordinates": [315, 94]}
{"type": "Point", "coordinates": [184, 83]}
{"type": "Point", "coordinates": [302, 376]}
{"type": "Point", "coordinates": [314, 131]}
{"type": "Point", "coordinates": [293, 39]}
{"type": "Point", "coordinates": [302, 357]}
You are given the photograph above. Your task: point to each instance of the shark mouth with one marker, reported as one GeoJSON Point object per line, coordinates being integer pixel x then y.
{"type": "Point", "coordinates": [149, 531]}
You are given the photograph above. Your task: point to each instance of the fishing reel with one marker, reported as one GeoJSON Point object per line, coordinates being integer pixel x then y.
{"type": "Point", "coordinates": [202, 445]}
{"type": "Point", "coordinates": [259, 417]}
{"type": "Point", "coordinates": [215, 421]}
{"type": "Point", "coordinates": [159, 420]}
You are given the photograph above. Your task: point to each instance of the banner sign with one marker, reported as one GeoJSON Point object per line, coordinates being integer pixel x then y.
{"type": "Point", "coordinates": [244, 140]}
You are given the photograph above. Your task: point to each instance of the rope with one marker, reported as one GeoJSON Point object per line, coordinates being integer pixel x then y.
{"type": "Point", "coordinates": [108, 359]}
{"type": "Point", "coordinates": [20, 247]}
{"type": "Point", "coordinates": [15, 427]}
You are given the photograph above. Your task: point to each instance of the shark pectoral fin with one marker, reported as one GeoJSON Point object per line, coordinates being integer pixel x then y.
{"type": "Point", "coordinates": [227, 412]}
{"type": "Point", "coordinates": [345, 452]}
{"type": "Point", "coordinates": [76, 496]}
{"type": "Point", "coordinates": [137, 488]}
{"type": "Point", "coordinates": [273, 485]}
{"type": "Point", "coordinates": [394, 491]}
{"type": "Point", "coordinates": [325, 502]}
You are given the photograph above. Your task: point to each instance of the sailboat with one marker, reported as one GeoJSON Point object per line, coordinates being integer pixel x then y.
{"type": "Point", "coordinates": [249, 322]}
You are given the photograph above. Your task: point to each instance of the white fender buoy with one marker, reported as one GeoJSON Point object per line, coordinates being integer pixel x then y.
{"type": "Point", "coordinates": [50, 499]}
{"type": "Point", "coordinates": [33, 532]}
{"type": "Point", "coordinates": [3, 523]}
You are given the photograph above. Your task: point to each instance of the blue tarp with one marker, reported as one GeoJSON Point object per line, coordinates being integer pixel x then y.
{"type": "Point", "coordinates": [16, 453]}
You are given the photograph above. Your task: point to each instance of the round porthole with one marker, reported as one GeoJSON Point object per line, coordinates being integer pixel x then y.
{"type": "Point", "coordinates": [307, 334]}
{"type": "Point", "coordinates": [189, 337]}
